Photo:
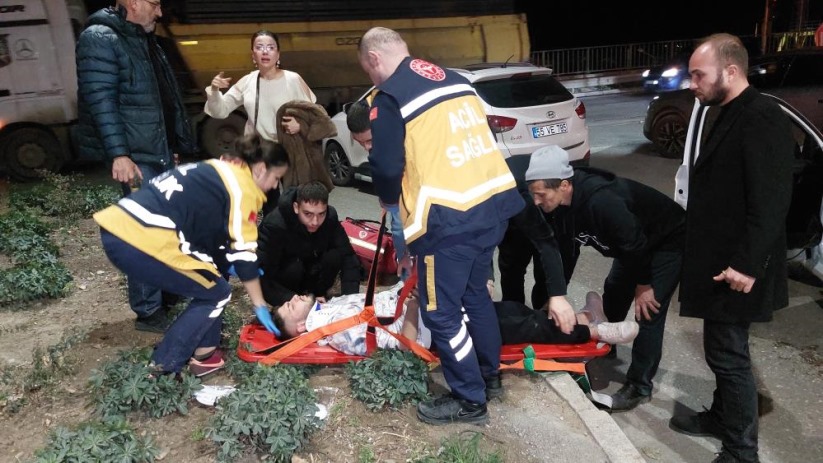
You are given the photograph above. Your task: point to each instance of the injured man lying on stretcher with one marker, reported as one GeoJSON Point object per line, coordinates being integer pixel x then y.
{"type": "Point", "coordinates": [518, 323]}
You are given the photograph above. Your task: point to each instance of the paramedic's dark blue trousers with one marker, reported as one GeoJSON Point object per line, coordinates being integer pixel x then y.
{"type": "Point", "coordinates": [200, 323]}
{"type": "Point", "coordinates": [468, 344]}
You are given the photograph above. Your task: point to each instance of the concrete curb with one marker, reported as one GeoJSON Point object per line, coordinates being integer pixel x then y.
{"type": "Point", "coordinates": [600, 424]}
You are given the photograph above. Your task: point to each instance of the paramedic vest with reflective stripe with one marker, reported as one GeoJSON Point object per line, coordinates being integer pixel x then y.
{"type": "Point", "coordinates": [184, 217]}
{"type": "Point", "coordinates": [456, 181]}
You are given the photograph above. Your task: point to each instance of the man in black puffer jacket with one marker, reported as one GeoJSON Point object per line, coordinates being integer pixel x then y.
{"type": "Point", "coordinates": [131, 114]}
{"type": "Point", "coordinates": [638, 226]}
{"type": "Point", "coordinates": [302, 247]}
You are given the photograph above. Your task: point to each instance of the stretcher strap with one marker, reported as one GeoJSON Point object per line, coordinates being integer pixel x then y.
{"type": "Point", "coordinates": [371, 338]}
{"type": "Point", "coordinates": [293, 345]}
{"type": "Point", "coordinates": [530, 363]}
{"type": "Point", "coordinates": [413, 346]}
{"type": "Point", "coordinates": [367, 315]}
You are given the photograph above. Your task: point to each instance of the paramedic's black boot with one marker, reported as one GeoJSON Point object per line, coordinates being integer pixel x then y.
{"type": "Point", "coordinates": [158, 322]}
{"type": "Point", "coordinates": [627, 398]}
{"type": "Point", "coordinates": [494, 387]}
{"type": "Point", "coordinates": [447, 409]}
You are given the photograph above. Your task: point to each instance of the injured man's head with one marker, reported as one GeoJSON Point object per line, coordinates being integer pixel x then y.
{"type": "Point", "coordinates": [291, 316]}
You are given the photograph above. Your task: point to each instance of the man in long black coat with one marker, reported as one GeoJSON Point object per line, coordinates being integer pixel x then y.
{"type": "Point", "coordinates": [734, 270]}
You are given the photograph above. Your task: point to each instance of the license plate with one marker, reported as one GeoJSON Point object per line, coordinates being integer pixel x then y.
{"type": "Point", "coordinates": [548, 130]}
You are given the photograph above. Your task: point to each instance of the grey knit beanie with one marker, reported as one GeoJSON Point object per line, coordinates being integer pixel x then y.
{"type": "Point", "coordinates": [548, 163]}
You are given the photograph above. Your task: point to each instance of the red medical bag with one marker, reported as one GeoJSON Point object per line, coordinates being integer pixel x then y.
{"type": "Point", "coordinates": [363, 238]}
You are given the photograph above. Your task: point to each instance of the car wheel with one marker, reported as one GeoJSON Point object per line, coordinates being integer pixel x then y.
{"type": "Point", "coordinates": [342, 173]}
{"type": "Point", "coordinates": [30, 149]}
{"type": "Point", "coordinates": [669, 135]}
{"type": "Point", "coordinates": [217, 135]}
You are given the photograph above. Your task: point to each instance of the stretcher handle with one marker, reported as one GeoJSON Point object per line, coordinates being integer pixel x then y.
{"type": "Point", "coordinates": [372, 282]}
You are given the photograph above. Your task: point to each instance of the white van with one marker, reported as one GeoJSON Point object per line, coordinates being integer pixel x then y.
{"type": "Point", "coordinates": [38, 83]}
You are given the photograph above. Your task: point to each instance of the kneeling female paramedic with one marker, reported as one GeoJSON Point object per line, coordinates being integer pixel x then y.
{"type": "Point", "coordinates": [168, 233]}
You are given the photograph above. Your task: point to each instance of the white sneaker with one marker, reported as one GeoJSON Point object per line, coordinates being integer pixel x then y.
{"type": "Point", "coordinates": [618, 333]}
{"type": "Point", "coordinates": [594, 307]}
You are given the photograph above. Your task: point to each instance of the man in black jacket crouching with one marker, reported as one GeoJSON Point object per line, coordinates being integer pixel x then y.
{"type": "Point", "coordinates": [303, 247]}
{"type": "Point", "coordinates": [638, 226]}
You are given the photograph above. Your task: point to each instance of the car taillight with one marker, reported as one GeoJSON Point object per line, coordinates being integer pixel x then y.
{"type": "Point", "coordinates": [500, 124]}
{"type": "Point", "coordinates": [580, 109]}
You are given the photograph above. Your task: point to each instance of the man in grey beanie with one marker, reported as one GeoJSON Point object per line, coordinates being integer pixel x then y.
{"type": "Point", "coordinates": [638, 226]}
{"type": "Point", "coordinates": [530, 238]}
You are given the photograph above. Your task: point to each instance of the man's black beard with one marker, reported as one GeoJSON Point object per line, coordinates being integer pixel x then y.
{"type": "Point", "coordinates": [718, 93]}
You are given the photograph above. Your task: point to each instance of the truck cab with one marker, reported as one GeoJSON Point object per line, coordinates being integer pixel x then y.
{"type": "Point", "coordinates": [38, 83]}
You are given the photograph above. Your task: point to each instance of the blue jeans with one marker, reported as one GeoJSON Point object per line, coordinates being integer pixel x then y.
{"type": "Point", "coordinates": [144, 299]}
{"type": "Point", "coordinates": [726, 347]}
{"type": "Point", "coordinates": [200, 323]}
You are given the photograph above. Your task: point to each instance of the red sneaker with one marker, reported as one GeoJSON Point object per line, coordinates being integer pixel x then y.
{"type": "Point", "coordinates": [200, 368]}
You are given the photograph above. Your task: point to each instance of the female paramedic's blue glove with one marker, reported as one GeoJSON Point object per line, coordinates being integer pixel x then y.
{"type": "Point", "coordinates": [264, 316]}
{"type": "Point", "coordinates": [231, 271]}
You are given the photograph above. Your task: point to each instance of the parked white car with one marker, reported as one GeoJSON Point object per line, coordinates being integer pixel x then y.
{"type": "Point", "coordinates": [804, 223]}
{"type": "Point", "coordinates": [526, 108]}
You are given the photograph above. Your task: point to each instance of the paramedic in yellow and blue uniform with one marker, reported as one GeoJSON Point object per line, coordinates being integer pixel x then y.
{"type": "Point", "coordinates": [434, 157]}
{"type": "Point", "coordinates": [169, 233]}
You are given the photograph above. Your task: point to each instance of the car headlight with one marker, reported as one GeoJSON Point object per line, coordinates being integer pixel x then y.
{"type": "Point", "coordinates": [671, 72]}
{"type": "Point", "coordinates": [645, 73]}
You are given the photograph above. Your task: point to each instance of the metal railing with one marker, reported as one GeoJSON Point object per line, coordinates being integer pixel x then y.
{"type": "Point", "coordinates": [586, 60]}
{"type": "Point", "coordinates": [624, 57]}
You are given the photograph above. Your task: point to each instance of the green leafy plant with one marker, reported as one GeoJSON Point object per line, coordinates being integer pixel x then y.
{"type": "Point", "coordinates": [236, 368]}
{"type": "Point", "coordinates": [271, 412]}
{"type": "Point", "coordinates": [31, 281]}
{"type": "Point", "coordinates": [64, 196]}
{"type": "Point", "coordinates": [36, 273]}
{"type": "Point", "coordinates": [366, 454]}
{"type": "Point", "coordinates": [17, 221]}
{"type": "Point", "coordinates": [390, 377]}
{"type": "Point", "coordinates": [198, 434]}
{"type": "Point", "coordinates": [94, 441]}
{"type": "Point", "coordinates": [130, 384]}
{"type": "Point", "coordinates": [458, 449]}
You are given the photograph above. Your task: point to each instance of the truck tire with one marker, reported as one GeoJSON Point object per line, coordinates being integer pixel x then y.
{"type": "Point", "coordinates": [217, 135]}
{"type": "Point", "coordinates": [340, 169]}
{"type": "Point", "coordinates": [30, 149]}
{"type": "Point", "coordinates": [669, 135]}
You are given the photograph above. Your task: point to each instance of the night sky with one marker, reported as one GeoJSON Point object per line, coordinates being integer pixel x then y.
{"type": "Point", "coordinates": [573, 23]}
{"type": "Point", "coordinates": [580, 23]}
